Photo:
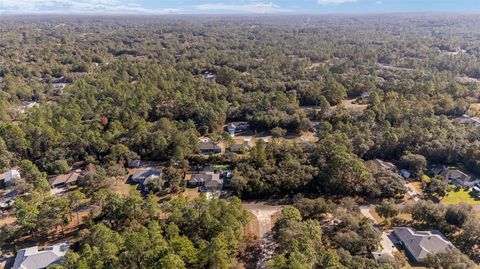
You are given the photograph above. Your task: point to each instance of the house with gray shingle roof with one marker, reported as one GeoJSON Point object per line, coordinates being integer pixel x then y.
{"type": "Point", "coordinates": [142, 174]}
{"type": "Point", "coordinates": [456, 176]}
{"type": "Point", "coordinates": [32, 258]}
{"type": "Point", "coordinates": [419, 244]}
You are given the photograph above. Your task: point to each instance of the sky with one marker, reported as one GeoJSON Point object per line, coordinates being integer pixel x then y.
{"type": "Point", "coordinates": [233, 6]}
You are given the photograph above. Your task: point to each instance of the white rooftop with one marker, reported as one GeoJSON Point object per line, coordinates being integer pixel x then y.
{"type": "Point", "coordinates": [32, 258]}
{"type": "Point", "coordinates": [11, 174]}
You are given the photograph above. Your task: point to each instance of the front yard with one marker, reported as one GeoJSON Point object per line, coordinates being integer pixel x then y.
{"type": "Point", "coordinates": [461, 196]}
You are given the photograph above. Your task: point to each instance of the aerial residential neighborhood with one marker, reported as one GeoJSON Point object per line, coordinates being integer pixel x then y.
{"type": "Point", "coordinates": [240, 134]}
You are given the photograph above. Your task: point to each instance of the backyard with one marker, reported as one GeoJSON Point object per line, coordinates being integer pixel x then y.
{"type": "Point", "coordinates": [461, 196]}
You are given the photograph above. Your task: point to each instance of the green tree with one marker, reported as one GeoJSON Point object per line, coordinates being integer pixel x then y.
{"type": "Point", "coordinates": [386, 209]}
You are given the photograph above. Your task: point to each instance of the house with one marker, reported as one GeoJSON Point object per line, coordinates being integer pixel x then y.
{"type": "Point", "coordinates": [405, 174]}
{"type": "Point", "coordinates": [11, 174]}
{"type": "Point", "coordinates": [212, 184]}
{"type": "Point", "coordinates": [455, 176]}
{"type": "Point", "coordinates": [245, 145]}
{"type": "Point", "coordinates": [61, 181]}
{"type": "Point", "coordinates": [419, 244]}
{"type": "Point", "coordinates": [209, 147]}
{"type": "Point", "coordinates": [364, 96]}
{"type": "Point", "coordinates": [146, 173]}
{"type": "Point", "coordinates": [476, 191]}
{"type": "Point", "coordinates": [207, 181]}
{"type": "Point", "coordinates": [7, 199]}
{"type": "Point", "coordinates": [384, 166]}
{"type": "Point", "coordinates": [209, 76]}
{"type": "Point", "coordinates": [32, 258]}
{"type": "Point", "coordinates": [59, 87]}
{"type": "Point", "coordinates": [25, 106]}
{"type": "Point", "coordinates": [134, 163]}
{"type": "Point", "coordinates": [237, 127]}
{"type": "Point", "coordinates": [465, 119]}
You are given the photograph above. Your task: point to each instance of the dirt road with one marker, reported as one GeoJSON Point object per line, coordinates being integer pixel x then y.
{"type": "Point", "coordinates": [264, 215]}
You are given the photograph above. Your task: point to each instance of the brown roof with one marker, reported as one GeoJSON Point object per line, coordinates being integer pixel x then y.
{"type": "Point", "coordinates": [209, 146]}
{"type": "Point", "coordinates": [65, 178]}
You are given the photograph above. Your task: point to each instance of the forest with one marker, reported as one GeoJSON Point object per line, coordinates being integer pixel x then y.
{"type": "Point", "coordinates": [97, 93]}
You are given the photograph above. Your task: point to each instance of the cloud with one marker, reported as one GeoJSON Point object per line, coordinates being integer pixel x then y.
{"type": "Point", "coordinates": [378, 2]}
{"type": "Point", "coordinates": [242, 8]}
{"type": "Point", "coordinates": [77, 6]}
{"type": "Point", "coordinates": [335, 2]}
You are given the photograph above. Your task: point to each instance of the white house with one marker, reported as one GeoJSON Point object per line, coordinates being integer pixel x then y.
{"type": "Point", "coordinates": [11, 174]}
{"type": "Point", "coordinates": [32, 258]}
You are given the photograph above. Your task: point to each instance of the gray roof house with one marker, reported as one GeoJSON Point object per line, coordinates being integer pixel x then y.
{"type": "Point", "coordinates": [134, 163]}
{"type": "Point", "coordinates": [142, 174]}
{"type": "Point", "coordinates": [418, 244]}
{"type": "Point", "coordinates": [405, 174]}
{"type": "Point", "coordinates": [245, 145]}
{"type": "Point", "coordinates": [384, 165]}
{"type": "Point", "coordinates": [214, 183]}
{"type": "Point", "coordinates": [206, 181]}
{"type": "Point", "coordinates": [32, 258]}
{"type": "Point", "coordinates": [458, 177]}
{"type": "Point", "coordinates": [237, 126]}
{"type": "Point", "coordinates": [209, 148]}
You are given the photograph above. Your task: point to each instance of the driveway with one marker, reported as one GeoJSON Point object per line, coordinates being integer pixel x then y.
{"type": "Point", "coordinates": [412, 191]}
{"type": "Point", "coordinates": [365, 210]}
{"type": "Point", "coordinates": [387, 240]}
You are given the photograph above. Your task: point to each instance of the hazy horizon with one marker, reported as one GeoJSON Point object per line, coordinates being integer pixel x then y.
{"type": "Point", "coordinates": [240, 7]}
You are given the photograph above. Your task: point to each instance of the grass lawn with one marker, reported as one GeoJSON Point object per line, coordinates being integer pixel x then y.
{"type": "Point", "coordinates": [462, 196]}
{"type": "Point", "coordinates": [222, 167]}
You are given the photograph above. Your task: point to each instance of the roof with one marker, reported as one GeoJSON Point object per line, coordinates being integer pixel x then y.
{"type": "Point", "coordinates": [421, 243]}
{"type": "Point", "coordinates": [134, 163]}
{"type": "Point", "coordinates": [197, 178]}
{"type": "Point", "coordinates": [11, 174]}
{"type": "Point", "coordinates": [65, 178]}
{"type": "Point", "coordinates": [384, 166]}
{"type": "Point", "coordinates": [404, 173]}
{"type": "Point", "coordinates": [237, 124]}
{"type": "Point", "coordinates": [142, 174]}
{"type": "Point", "coordinates": [31, 258]}
{"type": "Point", "coordinates": [214, 182]}
{"type": "Point", "coordinates": [455, 174]}
{"type": "Point", "coordinates": [237, 147]}
{"type": "Point", "coordinates": [210, 180]}
{"type": "Point", "coordinates": [209, 146]}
